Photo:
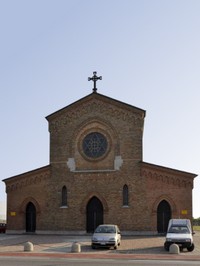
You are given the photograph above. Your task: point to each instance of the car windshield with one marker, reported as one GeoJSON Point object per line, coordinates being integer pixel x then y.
{"type": "Point", "coordinates": [106, 229]}
{"type": "Point", "coordinates": [179, 229]}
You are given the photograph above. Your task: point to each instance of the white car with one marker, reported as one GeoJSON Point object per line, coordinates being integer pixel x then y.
{"type": "Point", "coordinates": [179, 232]}
{"type": "Point", "coordinates": [106, 235]}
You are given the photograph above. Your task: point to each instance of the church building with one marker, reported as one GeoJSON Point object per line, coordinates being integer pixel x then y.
{"type": "Point", "coordinates": [96, 174]}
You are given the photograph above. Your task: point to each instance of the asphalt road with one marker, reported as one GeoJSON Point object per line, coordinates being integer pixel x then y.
{"type": "Point", "coordinates": [20, 261]}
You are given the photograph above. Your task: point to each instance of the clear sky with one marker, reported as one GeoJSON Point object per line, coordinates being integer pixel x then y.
{"type": "Point", "coordinates": [147, 51]}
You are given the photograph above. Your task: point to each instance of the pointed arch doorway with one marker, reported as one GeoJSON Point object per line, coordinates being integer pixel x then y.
{"type": "Point", "coordinates": [30, 218]}
{"type": "Point", "coordinates": [94, 214]}
{"type": "Point", "coordinates": [163, 216]}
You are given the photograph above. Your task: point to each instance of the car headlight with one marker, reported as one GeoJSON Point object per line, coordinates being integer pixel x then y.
{"type": "Point", "coordinates": [94, 239]}
{"type": "Point", "coordinates": [112, 239]}
{"type": "Point", "coordinates": [187, 240]}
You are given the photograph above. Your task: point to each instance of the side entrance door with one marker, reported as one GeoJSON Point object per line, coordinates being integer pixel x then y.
{"type": "Point", "coordinates": [163, 216]}
{"type": "Point", "coordinates": [30, 217]}
{"type": "Point", "coordinates": [94, 214]}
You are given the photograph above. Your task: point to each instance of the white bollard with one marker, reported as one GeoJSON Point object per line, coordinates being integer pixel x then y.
{"type": "Point", "coordinates": [174, 249]}
{"type": "Point", "coordinates": [28, 246]}
{"type": "Point", "coordinates": [76, 247]}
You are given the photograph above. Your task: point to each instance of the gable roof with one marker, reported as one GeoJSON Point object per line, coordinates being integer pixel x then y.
{"type": "Point", "coordinates": [27, 174]}
{"type": "Point", "coordinates": [164, 169]}
{"type": "Point", "coordinates": [101, 97]}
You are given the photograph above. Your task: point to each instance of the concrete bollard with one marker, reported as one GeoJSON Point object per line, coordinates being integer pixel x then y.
{"type": "Point", "coordinates": [76, 247]}
{"type": "Point", "coordinates": [28, 246]}
{"type": "Point", "coordinates": [174, 249]}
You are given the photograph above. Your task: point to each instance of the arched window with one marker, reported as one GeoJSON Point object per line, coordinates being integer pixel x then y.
{"type": "Point", "coordinates": [125, 195]}
{"type": "Point", "coordinates": [64, 196]}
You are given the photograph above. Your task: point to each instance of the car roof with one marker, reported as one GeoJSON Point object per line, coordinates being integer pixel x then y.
{"type": "Point", "coordinates": [107, 225]}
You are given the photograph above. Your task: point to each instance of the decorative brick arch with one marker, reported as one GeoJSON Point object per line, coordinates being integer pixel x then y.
{"type": "Point", "coordinates": [100, 125]}
{"type": "Point", "coordinates": [89, 197]}
{"type": "Point", "coordinates": [26, 201]}
{"type": "Point", "coordinates": [168, 199]}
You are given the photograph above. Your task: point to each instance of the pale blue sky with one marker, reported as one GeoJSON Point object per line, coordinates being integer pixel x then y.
{"type": "Point", "coordinates": [147, 51]}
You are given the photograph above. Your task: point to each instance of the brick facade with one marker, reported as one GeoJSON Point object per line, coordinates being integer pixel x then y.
{"type": "Point", "coordinates": [103, 178]}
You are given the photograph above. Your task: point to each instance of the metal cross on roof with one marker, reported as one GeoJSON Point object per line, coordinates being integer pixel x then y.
{"type": "Point", "coordinates": [94, 79]}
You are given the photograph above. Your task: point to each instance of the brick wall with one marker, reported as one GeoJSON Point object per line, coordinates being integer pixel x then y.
{"type": "Point", "coordinates": [84, 177]}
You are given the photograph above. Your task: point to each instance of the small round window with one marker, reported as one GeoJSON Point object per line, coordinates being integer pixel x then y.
{"type": "Point", "coordinates": [95, 145]}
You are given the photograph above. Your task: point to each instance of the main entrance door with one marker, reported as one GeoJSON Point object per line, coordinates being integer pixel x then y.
{"type": "Point", "coordinates": [163, 216]}
{"type": "Point", "coordinates": [94, 214]}
{"type": "Point", "coordinates": [30, 217]}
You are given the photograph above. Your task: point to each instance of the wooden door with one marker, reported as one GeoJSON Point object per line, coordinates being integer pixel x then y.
{"type": "Point", "coordinates": [94, 214]}
{"type": "Point", "coordinates": [163, 216]}
{"type": "Point", "coordinates": [30, 217]}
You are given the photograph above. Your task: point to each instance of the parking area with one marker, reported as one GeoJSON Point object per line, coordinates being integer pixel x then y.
{"type": "Point", "coordinates": [63, 244]}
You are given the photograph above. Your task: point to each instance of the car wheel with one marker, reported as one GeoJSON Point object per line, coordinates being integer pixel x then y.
{"type": "Point", "coordinates": [191, 248]}
{"type": "Point", "coordinates": [166, 246]}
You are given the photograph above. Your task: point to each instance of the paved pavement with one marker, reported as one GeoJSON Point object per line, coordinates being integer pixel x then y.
{"type": "Point", "coordinates": [132, 247]}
